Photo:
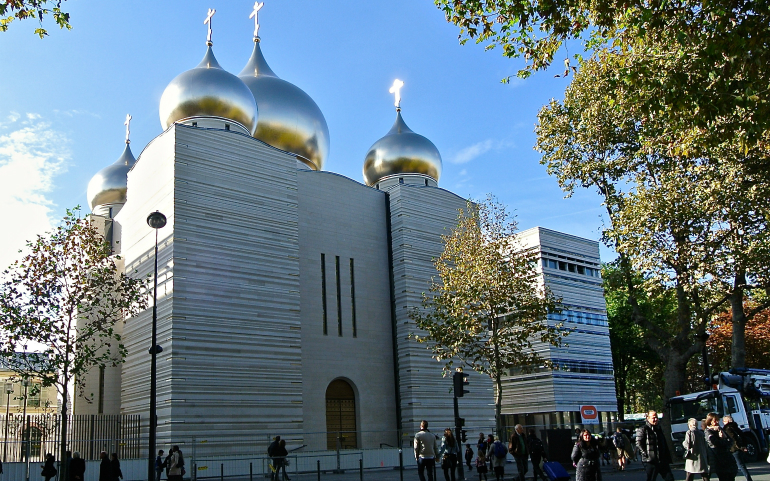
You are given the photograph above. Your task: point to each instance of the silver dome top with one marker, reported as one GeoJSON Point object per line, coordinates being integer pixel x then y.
{"type": "Point", "coordinates": [401, 151]}
{"type": "Point", "coordinates": [108, 186]}
{"type": "Point", "coordinates": [288, 118]}
{"type": "Point", "coordinates": [208, 91]}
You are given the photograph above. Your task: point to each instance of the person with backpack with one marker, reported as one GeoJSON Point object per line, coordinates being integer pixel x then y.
{"type": "Point", "coordinates": [620, 447]}
{"type": "Point", "coordinates": [536, 454]}
{"type": "Point", "coordinates": [497, 455]}
{"type": "Point", "coordinates": [518, 448]}
{"type": "Point", "coordinates": [271, 451]}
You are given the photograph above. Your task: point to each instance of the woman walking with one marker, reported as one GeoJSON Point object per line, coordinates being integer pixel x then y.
{"type": "Point", "coordinates": [449, 452]}
{"type": "Point", "coordinates": [586, 455]}
{"type": "Point", "coordinates": [49, 470]}
{"type": "Point", "coordinates": [695, 452]}
{"type": "Point", "coordinates": [720, 458]}
{"type": "Point", "coordinates": [105, 471]}
{"type": "Point", "coordinates": [115, 472]}
{"type": "Point", "coordinates": [175, 465]}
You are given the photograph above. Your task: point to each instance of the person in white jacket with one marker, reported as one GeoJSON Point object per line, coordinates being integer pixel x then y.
{"type": "Point", "coordinates": [425, 450]}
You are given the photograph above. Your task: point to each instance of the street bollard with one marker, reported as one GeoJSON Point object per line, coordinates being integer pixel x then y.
{"type": "Point", "coordinates": [319, 470]}
{"type": "Point", "coordinates": [361, 468]}
{"type": "Point", "coordinates": [222, 472]}
{"type": "Point", "coordinates": [401, 464]}
{"type": "Point", "coordinates": [251, 471]}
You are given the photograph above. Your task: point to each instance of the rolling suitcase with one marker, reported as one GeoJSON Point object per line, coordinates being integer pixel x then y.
{"type": "Point", "coordinates": [555, 471]}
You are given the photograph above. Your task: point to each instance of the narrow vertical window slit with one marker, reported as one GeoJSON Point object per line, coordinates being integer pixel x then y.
{"type": "Point", "coordinates": [339, 296]}
{"type": "Point", "coordinates": [323, 292]}
{"type": "Point", "coordinates": [353, 297]}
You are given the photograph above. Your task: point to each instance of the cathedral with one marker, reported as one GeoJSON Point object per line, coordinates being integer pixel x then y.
{"type": "Point", "coordinates": [284, 290]}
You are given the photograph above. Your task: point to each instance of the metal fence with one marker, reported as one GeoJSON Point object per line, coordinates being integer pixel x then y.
{"type": "Point", "coordinates": [33, 436]}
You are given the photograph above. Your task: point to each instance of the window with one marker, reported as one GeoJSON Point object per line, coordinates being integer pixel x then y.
{"type": "Point", "coordinates": [562, 266]}
{"type": "Point", "coordinates": [353, 296]}
{"type": "Point", "coordinates": [552, 264]}
{"type": "Point", "coordinates": [400, 180]}
{"type": "Point", "coordinates": [571, 267]}
{"type": "Point", "coordinates": [323, 292]}
{"type": "Point", "coordinates": [195, 124]}
{"type": "Point", "coordinates": [581, 270]}
{"type": "Point", "coordinates": [227, 126]}
{"type": "Point", "coordinates": [545, 262]}
{"type": "Point", "coordinates": [339, 295]}
{"type": "Point", "coordinates": [426, 182]}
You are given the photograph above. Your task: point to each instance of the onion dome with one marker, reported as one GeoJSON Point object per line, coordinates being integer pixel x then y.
{"type": "Point", "coordinates": [401, 151]}
{"type": "Point", "coordinates": [108, 186]}
{"type": "Point", "coordinates": [288, 118]}
{"type": "Point", "coordinates": [208, 91]}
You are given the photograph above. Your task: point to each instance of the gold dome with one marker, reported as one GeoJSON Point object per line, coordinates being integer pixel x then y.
{"type": "Point", "coordinates": [208, 91]}
{"type": "Point", "coordinates": [401, 151]}
{"type": "Point", "coordinates": [108, 186]}
{"type": "Point", "coordinates": [288, 118]}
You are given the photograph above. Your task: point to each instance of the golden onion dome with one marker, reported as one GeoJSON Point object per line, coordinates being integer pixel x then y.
{"type": "Point", "coordinates": [108, 186]}
{"type": "Point", "coordinates": [288, 118]}
{"type": "Point", "coordinates": [208, 91]}
{"type": "Point", "coordinates": [401, 151]}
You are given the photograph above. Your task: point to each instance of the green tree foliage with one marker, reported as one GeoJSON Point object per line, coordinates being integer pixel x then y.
{"type": "Point", "coordinates": [638, 369]}
{"type": "Point", "coordinates": [39, 9]}
{"type": "Point", "coordinates": [488, 308]}
{"type": "Point", "coordinates": [59, 305]}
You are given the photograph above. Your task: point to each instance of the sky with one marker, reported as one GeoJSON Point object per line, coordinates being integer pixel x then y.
{"type": "Point", "coordinates": [63, 99]}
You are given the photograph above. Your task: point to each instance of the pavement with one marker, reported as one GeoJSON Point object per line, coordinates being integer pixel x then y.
{"type": "Point", "coordinates": [760, 471]}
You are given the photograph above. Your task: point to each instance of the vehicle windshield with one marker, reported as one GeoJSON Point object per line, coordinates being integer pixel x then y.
{"type": "Point", "coordinates": [682, 411]}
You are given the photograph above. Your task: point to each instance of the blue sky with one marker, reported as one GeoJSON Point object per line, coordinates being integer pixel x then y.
{"type": "Point", "coordinates": [64, 98]}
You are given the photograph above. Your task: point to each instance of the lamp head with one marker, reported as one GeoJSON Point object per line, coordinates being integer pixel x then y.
{"type": "Point", "coordinates": [156, 220]}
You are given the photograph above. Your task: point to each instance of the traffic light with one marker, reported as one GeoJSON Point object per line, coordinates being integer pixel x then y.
{"type": "Point", "coordinates": [464, 436]}
{"type": "Point", "coordinates": [460, 380]}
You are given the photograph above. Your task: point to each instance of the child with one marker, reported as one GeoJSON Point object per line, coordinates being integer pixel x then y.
{"type": "Point", "coordinates": [481, 465]}
{"type": "Point", "coordinates": [469, 457]}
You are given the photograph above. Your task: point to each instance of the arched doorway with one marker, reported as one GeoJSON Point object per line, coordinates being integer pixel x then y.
{"type": "Point", "coordinates": [341, 415]}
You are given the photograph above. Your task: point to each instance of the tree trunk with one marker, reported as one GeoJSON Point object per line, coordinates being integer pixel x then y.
{"type": "Point", "coordinates": [738, 351]}
{"type": "Point", "coordinates": [675, 376]}
{"type": "Point", "coordinates": [63, 474]}
{"type": "Point", "coordinates": [498, 405]}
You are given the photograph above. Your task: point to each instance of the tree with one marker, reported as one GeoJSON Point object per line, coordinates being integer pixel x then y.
{"type": "Point", "coordinates": [757, 341]}
{"type": "Point", "coordinates": [63, 300]}
{"type": "Point", "coordinates": [23, 9]}
{"type": "Point", "coordinates": [488, 308]}
{"type": "Point", "coordinates": [638, 368]}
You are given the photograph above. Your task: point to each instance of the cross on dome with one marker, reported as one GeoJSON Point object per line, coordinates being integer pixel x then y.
{"type": "Point", "coordinates": [127, 123]}
{"type": "Point", "coordinates": [396, 89]}
{"type": "Point", "coordinates": [255, 15]}
{"type": "Point", "coordinates": [208, 21]}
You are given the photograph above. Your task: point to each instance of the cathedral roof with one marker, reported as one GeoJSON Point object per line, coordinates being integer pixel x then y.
{"type": "Point", "coordinates": [108, 186]}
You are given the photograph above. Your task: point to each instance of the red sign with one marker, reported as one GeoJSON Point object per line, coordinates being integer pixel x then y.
{"type": "Point", "coordinates": [589, 414]}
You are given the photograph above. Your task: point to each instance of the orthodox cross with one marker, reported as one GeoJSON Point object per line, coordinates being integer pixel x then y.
{"type": "Point", "coordinates": [208, 21]}
{"type": "Point", "coordinates": [127, 123]}
{"type": "Point", "coordinates": [255, 15]}
{"type": "Point", "coordinates": [396, 89]}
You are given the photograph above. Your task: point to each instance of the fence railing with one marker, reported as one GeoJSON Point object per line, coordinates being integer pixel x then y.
{"type": "Point", "coordinates": [33, 436]}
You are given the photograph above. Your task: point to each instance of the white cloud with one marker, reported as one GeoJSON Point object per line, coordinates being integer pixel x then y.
{"type": "Point", "coordinates": [469, 153]}
{"type": "Point", "coordinates": [32, 154]}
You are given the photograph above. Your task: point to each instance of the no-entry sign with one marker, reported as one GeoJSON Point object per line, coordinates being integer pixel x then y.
{"type": "Point", "coordinates": [589, 414]}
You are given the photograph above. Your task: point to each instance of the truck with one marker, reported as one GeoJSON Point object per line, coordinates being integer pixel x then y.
{"type": "Point", "coordinates": [743, 394]}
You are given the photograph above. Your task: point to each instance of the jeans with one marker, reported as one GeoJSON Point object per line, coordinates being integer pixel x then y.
{"type": "Point", "coordinates": [522, 466]}
{"type": "Point", "coordinates": [654, 469]}
{"type": "Point", "coordinates": [157, 474]}
{"type": "Point", "coordinates": [738, 455]}
{"type": "Point", "coordinates": [449, 468]}
{"type": "Point", "coordinates": [423, 464]}
{"type": "Point", "coordinates": [536, 471]}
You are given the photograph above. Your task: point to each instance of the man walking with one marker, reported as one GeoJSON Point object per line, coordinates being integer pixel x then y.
{"type": "Point", "coordinates": [739, 446]}
{"type": "Point", "coordinates": [651, 443]}
{"type": "Point", "coordinates": [425, 449]}
{"type": "Point", "coordinates": [272, 451]}
{"type": "Point", "coordinates": [518, 449]}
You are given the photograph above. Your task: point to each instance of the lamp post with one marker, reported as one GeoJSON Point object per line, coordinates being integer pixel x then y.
{"type": "Point", "coordinates": [156, 220]}
{"type": "Point", "coordinates": [8, 392]}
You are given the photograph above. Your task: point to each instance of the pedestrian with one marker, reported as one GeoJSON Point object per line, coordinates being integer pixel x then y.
{"type": "Point", "coordinates": [518, 449]}
{"type": "Point", "coordinates": [481, 464]}
{"type": "Point", "coordinates": [49, 470]}
{"type": "Point", "coordinates": [654, 449]}
{"type": "Point", "coordinates": [695, 452]}
{"type": "Point", "coordinates": [167, 461]}
{"type": "Point", "coordinates": [449, 452]}
{"type": "Point", "coordinates": [77, 467]}
{"type": "Point", "coordinates": [469, 457]}
{"type": "Point", "coordinates": [115, 472]}
{"type": "Point", "coordinates": [175, 465]}
{"type": "Point", "coordinates": [283, 461]}
{"type": "Point", "coordinates": [739, 446]}
{"type": "Point", "coordinates": [271, 450]}
{"type": "Point", "coordinates": [721, 460]}
{"type": "Point", "coordinates": [536, 453]}
{"type": "Point", "coordinates": [586, 457]}
{"type": "Point", "coordinates": [105, 473]}
{"type": "Point", "coordinates": [497, 455]}
{"type": "Point", "coordinates": [630, 449]}
{"type": "Point", "coordinates": [159, 465]}
{"type": "Point", "coordinates": [425, 449]}
{"type": "Point", "coordinates": [620, 447]}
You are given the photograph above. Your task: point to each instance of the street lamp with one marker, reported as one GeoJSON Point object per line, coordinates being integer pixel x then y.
{"type": "Point", "coordinates": [156, 220]}
{"type": "Point", "coordinates": [8, 392]}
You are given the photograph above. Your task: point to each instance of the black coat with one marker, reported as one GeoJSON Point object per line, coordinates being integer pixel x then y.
{"type": "Point", "coordinates": [652, 443]}
{"type": "Point", "coordinates": [721, 460]}
{"type": "Point", "coordinates": [586, 455]}
{"type": "Point", "coordinates": [115, 471]}
{"type": "Point", "coordinates": [77, 469]}
{"type": "Point", "coordinates": [105, 470]}
{"type": "Point", "coordinates": [734, 431]}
